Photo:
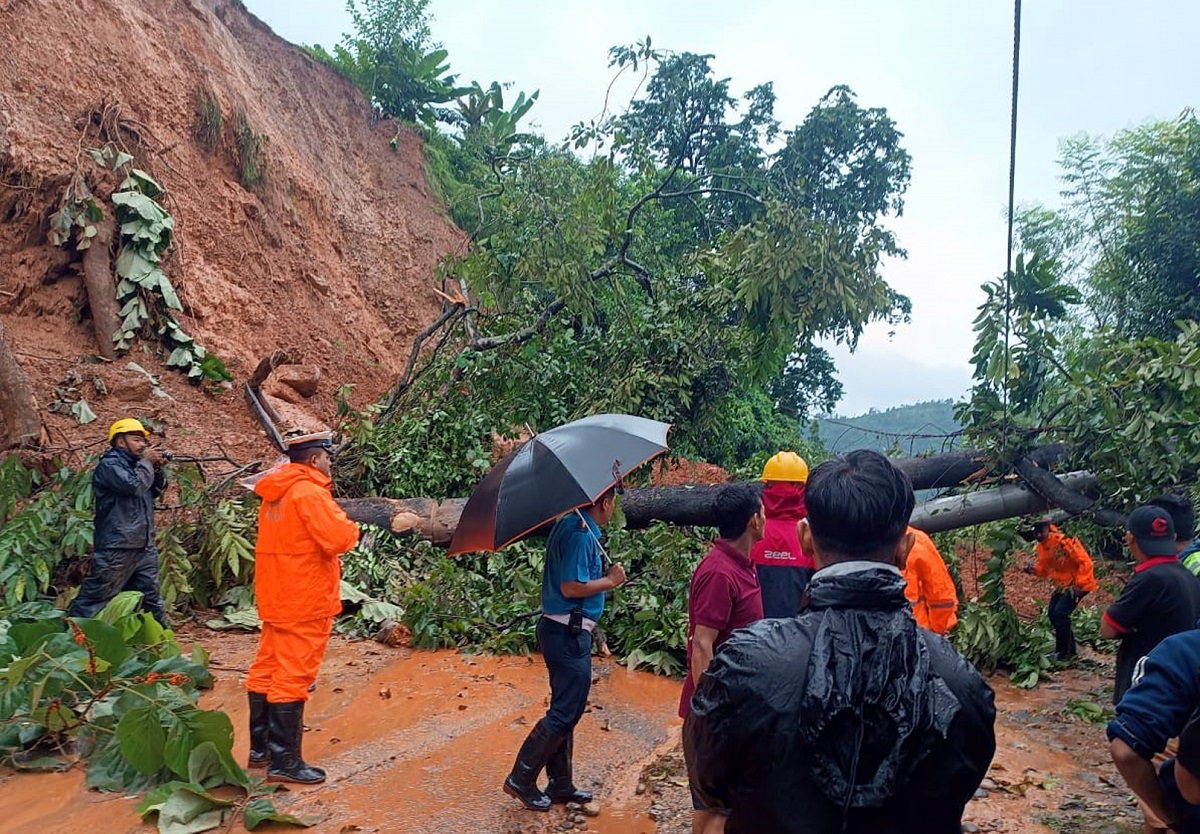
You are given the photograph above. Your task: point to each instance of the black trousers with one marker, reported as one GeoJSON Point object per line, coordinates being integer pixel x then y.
{"type": "Point", "coordinates": [114, 571]}
{"type": "Point", "coordinates": [1062, 605]}
{"type": "Point", "coordinates": [568, 659]}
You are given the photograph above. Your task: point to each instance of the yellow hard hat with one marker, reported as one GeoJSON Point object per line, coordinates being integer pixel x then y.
{"type": "Point", "coordinates": [786, 466]}
{"type": "Point", "coordinates": [124, 426]}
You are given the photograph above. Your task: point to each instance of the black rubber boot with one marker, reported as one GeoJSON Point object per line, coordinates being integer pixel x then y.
{"type": "Point", "coordinates": [558, 768]}
{"type": "Point", "coordinates": [535, 752]}
{"type": "Point", "coordinates": [286, 729]}
{"type": "Point", "coordinates": [259, 752]}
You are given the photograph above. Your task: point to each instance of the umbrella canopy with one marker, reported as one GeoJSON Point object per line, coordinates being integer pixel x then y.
{"type": "Point", "coordinates": [552, 473]}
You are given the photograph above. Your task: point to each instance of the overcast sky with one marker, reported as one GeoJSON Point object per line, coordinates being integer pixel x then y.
{"type": "Point", "coordinates": [942, 68]}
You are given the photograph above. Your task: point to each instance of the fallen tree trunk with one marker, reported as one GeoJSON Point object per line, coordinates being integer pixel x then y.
{"type": "Point", "coordinates": [954, 468]}
{"type": "Point", "coordinates": [425, 518]}
{"type": "Point", "coordinates": [1007, 501]}
{"type": "Point", "coordinates": [19, 420]}
{"type": "Point", "coordinates": [691, 506]}
{"type": "Point", "coordinates": [101, 288]}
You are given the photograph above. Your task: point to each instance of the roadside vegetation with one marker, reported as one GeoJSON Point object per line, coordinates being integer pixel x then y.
{"type": "Point", "coordinates": [679, 256]}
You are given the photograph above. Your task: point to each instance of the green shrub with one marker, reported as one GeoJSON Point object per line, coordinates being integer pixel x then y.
{"type": "Point", "coordinates": [249, 151]}
{"type": "Point", "coordinates": [209, 120]}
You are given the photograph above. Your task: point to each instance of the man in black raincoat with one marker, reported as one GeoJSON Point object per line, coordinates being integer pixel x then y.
{"type": "Point", "coordinates": [125, 482]}
{"type": "Point", "coordinates": [847, 718]}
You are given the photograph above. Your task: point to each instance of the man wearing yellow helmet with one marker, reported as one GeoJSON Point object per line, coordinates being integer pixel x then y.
{"type": "Point", "coordinates": [783, 567]}
{"type": "Point", "coordinates": [125, 483]}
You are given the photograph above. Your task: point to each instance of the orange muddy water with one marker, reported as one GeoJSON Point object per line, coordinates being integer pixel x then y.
{"type": "Point", "coordinates": [421, 741]}
{"type": "Point", "coordinates": [411, 741]}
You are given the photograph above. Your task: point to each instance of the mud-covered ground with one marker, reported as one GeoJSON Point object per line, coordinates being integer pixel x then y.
{"type": "Point", "coordinates": [420, 742]}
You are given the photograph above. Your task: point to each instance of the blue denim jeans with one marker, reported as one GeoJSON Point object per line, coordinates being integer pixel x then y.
{"type": "Point", "coordinates": [569, 661]}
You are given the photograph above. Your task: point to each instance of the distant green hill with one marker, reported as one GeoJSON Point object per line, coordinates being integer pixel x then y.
{"type": "Point", "coordinates": [896, 430]}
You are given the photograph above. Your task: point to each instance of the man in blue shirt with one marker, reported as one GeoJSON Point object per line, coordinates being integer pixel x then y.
{"type": "Point", "coordinates": [1164, 695]}
{"type": "Point", "coordinates": [573, 588]}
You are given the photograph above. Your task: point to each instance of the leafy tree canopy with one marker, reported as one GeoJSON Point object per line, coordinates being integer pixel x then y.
{"type": "Point", "coordinates": [682, 270]}
{"type": "Point", "coordinates": [1128, 232]}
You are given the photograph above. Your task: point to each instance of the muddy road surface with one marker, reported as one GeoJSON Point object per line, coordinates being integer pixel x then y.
{"type": "Point", "coordinates": [421, 741]}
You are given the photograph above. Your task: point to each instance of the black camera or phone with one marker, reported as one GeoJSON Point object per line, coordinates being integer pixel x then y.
{"type": "Point", "coordinates": [575, 622]}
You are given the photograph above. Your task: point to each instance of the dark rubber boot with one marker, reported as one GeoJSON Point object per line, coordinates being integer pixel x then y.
{"type": "Point", "coordinates": [558, 768]}
{"type": "Point", "coordinates": [259, 730]}
{"type": "Point", "coordinates": [286, 729]}
{"type": "Point", "coordinates": [522, 782]}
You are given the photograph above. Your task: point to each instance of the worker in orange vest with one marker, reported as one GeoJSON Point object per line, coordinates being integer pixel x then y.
{"type": "Point", "coordinates": [929, 586]}
{"type": "Point", "coordinates": [1063, 560]}
{"type": "Point", "coordinates": [302, 533]}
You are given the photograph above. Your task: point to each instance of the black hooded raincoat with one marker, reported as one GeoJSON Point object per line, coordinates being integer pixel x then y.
{"type": "Point", "coordinates": [848, 718]}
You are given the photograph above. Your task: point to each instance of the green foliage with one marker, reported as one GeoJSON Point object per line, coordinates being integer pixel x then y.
{"type": "Point", "coordinates": [145, 294]}
{"type": "Point", "coordinates": [45, 521]}
{"type": "Point", "coordinates": [670, 277]}
{"type": "Point", "coordinates": [249, 151]}
{"type": "Point", "coordinates": [441, 451]}
{"type": "Point", "coordinates": [117, 692]}
{"type": "Point", "coordinates": [210, 121]}
{"type": "Point", "coordinates": [70, 399]}
{"type": "Point", "coordinates": [989, 632]}
{"type": "Point", "coordinates": [391, 59]}
{"type": "Point", "coordinates": [1127, 229]}
{"type": "Point", "coordinates": [1128, 407]}
{"type": "Point", "coordinates": [207, 546]}
{"type": "Point", "coordinates": [77, 215]}
{"type": "Point", "coordinates": [490, 601]}
{"type": "Point", "coordinates": [487, 124]}
{"type": "Point", "coordinates": [648, 618]}
{"type": "Point", "coordinates": [1090, 711]}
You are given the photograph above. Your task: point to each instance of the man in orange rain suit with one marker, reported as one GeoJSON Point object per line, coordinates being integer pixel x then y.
{"type": "Point", "coordinates": [1063, 560]}
{"type": "Point", "coordinates": [302, 533]}
{"type": "Point", "coordinates": [928, 585]}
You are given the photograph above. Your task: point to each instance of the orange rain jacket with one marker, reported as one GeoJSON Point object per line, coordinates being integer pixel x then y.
{"type": "Point", "coordinates": [1063, 559]}
{"type": "Point", "coordinates": [302, 533]}
{"type": "Point", "coordinates": [930, 589]}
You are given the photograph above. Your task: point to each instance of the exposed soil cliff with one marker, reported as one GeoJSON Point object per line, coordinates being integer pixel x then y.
{"type": "Point", "coordinates": [332, 251]}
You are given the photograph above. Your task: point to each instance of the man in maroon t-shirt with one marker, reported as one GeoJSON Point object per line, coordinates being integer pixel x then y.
{"type": "Point", "coordinates": [724, 596]}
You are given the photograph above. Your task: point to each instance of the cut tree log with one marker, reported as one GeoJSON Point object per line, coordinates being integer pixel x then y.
{"type": "Point", "coordinates": [424, 518]}
{"type": "Point", "coordinates": [101, 288]}
{"type": "Point", "coordinates": [691, 506]}
{"type": "Point", "coordinates": [19, 420]}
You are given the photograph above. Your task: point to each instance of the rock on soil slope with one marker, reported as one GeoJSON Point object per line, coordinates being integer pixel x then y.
{"type": "Point", "coordinates": [333, 253]}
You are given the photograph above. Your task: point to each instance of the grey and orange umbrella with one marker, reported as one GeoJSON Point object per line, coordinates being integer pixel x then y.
{"type": "Point", "coordinates": [552, 473]}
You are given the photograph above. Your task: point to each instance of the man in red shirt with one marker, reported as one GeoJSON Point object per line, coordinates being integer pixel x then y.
{"type": "Point", "coordinates": [783, 567]}
{"type": "Point", "coordinates": [724, 596]}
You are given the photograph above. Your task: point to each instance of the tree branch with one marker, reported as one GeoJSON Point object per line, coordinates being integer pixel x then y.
{"type": "Point", "coordinates": [522, 335]}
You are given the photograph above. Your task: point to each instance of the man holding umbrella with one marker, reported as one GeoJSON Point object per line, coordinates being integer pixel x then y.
{"type": "Point", "coordinates": [573, 588]}
{"type": "Point", "coordinates": [572, 473]}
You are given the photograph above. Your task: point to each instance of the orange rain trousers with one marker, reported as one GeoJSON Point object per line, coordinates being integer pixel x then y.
{"type": "Point", "coordinates": [289, 656]}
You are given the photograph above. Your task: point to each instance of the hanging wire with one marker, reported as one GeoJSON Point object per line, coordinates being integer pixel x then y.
{"type": "Point", "coordinates": [1012, 180]}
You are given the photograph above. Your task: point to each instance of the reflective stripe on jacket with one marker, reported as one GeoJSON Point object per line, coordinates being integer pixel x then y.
{"type": "Point", "coordinates": [302, 533]}
{"type": "Point", "coordinates": [929, 587]}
